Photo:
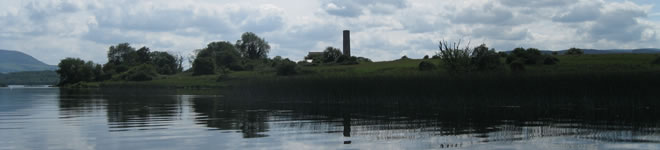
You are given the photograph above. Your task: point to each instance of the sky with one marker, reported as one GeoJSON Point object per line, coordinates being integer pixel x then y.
{"type": "Point", "coordinates": [51, 30]}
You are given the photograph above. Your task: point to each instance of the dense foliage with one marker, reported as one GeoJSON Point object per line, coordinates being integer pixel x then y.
{"type": "Point", "coordinates": [29, 78]}
{"type": "Point", "coordinates": [74, 70]}
{"type": "Point", "coordinates": [425, 66]}
{"type": "Point", "coordinates": [252, 46]}
{"type": "Point", "coordinates": [467, 60]}
{"type": "Point", "coordinates": [574, 51]}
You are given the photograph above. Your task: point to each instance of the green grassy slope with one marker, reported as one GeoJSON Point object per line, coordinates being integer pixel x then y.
{"type": "Point", "coordinates": [584, 65]}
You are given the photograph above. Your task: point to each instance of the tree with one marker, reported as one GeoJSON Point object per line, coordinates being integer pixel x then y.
{"type": "Point", "coordinates": [330, 54]}
{"type": "Point", "coordinates": [203, 66]}
{"type": "Point", "coordinates": [484, 59]}
{"type": "Point", "coordinates": [74, 70]}
{"type": "Point", "coordinates": [252, 46]}
{"type": "Point", "coordinates": [122, 54]}
{"type": "Point", "coordinates": [143, 55]}
{"type": "Point", "coordinates": [164, 63]}
{"type": "Point", "coordinates": [455, 58]}
{"type": "Point", "coordinates": [574, 51]}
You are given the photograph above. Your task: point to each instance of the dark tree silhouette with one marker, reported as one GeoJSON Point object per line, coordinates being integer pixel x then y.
{"type": "Point", "coordinates": [252, 46]}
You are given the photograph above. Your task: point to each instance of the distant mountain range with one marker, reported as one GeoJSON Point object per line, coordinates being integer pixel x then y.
{"type": "Point", "coordinates": [15, 61]}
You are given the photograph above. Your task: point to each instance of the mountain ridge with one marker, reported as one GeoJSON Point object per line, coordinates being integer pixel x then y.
{"type": "Point", "coordinates": [16, 61]}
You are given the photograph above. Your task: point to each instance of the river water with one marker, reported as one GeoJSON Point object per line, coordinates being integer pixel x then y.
{"type": "Point", "coordinates": [53, 118]}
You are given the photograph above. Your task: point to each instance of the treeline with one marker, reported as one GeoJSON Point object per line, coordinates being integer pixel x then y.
{"type": "Point", "coordinates": [251, 53]}
{"type": "Point", "coordinates": [124, 63]}
{"type": "Point", "coordinates": [29, 78]}
{"type": "Point", "coordinates": [483, 59]}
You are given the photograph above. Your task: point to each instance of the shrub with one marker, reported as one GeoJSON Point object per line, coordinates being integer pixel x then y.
{"type": "Point", "coordinates": [345, 60]}
{"type": "Point", "coordinates": [502, 54]}
{"type": "Point", "coordinates": [517, 66]}
{"type": "Point", "coordinates": [404, 57]}
{"type": "Point", "coordinates": [144, 72]}
{"type": "Point", "coordinates": [287, 68]}
{"type": "Point", "coordinates": [574, 51]}
{"type": "Point", "coordinates": [203, 66]}
{"type": "Point", "coordinates": [510, 59]}
{"type": "Point", "coordinates": [435, 57]}
{"type": "Point", "coordinates": [656, 61]}
{"type": "Point", "coordinates": [426, 57]}
{"type": "Point", "coordinates": [550, 60]}
{"type": "Point", "coordinates": [363, 59]}
{"type": "Point", "coordinates": [426, 65]}
{"type": "Point", "coordinates": [455, 58]}
{"type": "Point", "coordinates": [484, 59]}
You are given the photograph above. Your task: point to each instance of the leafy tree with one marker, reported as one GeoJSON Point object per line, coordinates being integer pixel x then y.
{"type": "Point", "coordinates": [143, 55]}
{"type": "Point", "coordinates": [455, 58]}
{"type": "Point", "coordinates": [574, 51]}
{"type": "Point", "coordinates": [426, 57]}
{"type": "Point", "coordinates": [529, 56]}
{"type": "Point", "coordinates": [484, 59]}
{"type": "Point", "coordinates": [164, 62]}
{"type": "Point", "coordinates": [224, 55]}
{"type": "Point", "coordinates": [252, 46]}
{"type": "Point", "coordinates": [330, 54]}
{"type": "Point", "coordinates": [122, 54]}
{"type": "Point", "coordinates": [203, 66]}
{"type": "Point", "coordinates": [74, 70]}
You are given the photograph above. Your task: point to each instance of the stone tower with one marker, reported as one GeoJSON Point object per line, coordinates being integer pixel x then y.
{"type": "Point", "coordinates": [347, 43]}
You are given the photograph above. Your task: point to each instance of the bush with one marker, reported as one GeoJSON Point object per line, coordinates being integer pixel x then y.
{"type": "Point", "coordinates": [484, 59]}
{"type": "Point", "coordinates": [656, 61]}
{"type": "Point", "coordinates": [144, 72]}
{"type": "Point", "coordinates": [435, 57]}
{"type": "Point", "coordinates": [550, 60]}
{"type": "Point", "coordinates": [404, 57]}
{"type": "Point", "coordinates": [426, 65]}
{"type": "Point", "coordinates": [426, 57]}
{"type": "Point", "coordinates": [363, 59]}
{"type": "Point", "coordinates": [517, 66]}
{"type": "Point", "coordinates": [203, 66]}
{"type": "Point", "coordinates": [287, 68]}
{"type": "Point", "coordinates": [503, 54]}
{"type": "Point", "coordinates": [574, 51]}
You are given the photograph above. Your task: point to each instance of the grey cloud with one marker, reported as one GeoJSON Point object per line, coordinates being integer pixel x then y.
{"type": "Point", "coordinates": [618, 25]}
{"type": "Point", "coordinates": [500, 33]}
{"type": "Point", "coordinates": [580, 14]}
{"type": "Point", "coordinates": [486, 14]}
{"type": "Point", "coordinates": [536, 3]}
{"type": "Point", "coordinates": [305, 37]}
{"type": "Point", "coordinates": [355, 8]}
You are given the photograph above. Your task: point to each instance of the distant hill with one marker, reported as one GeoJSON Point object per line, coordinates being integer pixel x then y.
{"type": "Point", "coordinates": [15, 61]}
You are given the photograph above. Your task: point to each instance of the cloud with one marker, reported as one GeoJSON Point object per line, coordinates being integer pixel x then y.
{"type": "Point", "coordinates": [381, 29]}
{"type": "Point", "coordinates": [355, 8]}
{"type": "Point", "coordinates": [489, 13]}
{"type": "Point", "coordinates": [619, 22]}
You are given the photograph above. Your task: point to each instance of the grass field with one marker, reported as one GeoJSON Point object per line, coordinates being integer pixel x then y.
{"type": "Point", "coordinates": [619, 66]}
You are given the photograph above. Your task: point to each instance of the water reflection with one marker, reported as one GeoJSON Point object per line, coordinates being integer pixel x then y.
{"type": "Point", "coordinates": [413, 122]}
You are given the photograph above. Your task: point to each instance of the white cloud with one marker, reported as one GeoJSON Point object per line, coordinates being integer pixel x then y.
{"type": "Point", "coordinates": [51, 30]}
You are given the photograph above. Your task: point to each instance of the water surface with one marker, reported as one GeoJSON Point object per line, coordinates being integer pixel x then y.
{"type": "Point", "coordinates": [52, 118]}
